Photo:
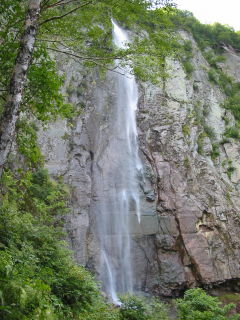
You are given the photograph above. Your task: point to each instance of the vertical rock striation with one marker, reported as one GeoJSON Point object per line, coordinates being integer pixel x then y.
{"type": "Point", "coordinates": [190, 227]}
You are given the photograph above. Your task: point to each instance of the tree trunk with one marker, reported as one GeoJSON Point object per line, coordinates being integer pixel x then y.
{"type": "Point", "coordinates": [18, 81]}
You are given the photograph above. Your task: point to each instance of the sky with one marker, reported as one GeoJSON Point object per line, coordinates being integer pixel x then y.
{"type": "Point", "coordinates": [210, 11]}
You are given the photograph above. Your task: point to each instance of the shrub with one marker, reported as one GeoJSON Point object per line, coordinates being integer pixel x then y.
{"type": "Point", "coordinates": [213, 76]}
{"type": "Point", "coordinates": [139, 308]}
{"type": "Point", "coordinates": [224, 140]}
{"type": "Point", "coordinates": [232, 132]}
{"type": "Point", "coordinates": [206, 35]}
{"type": "Point", "coordinates": [230, 171]}
{"type": "Point", "coordinates": [209, 132]}
{"type": "Point", "coordinates": [133, 308]}
{"type": "Point", "coordinates": [186, 57]}
{"type": "Point", "coordinates": [38, 278]}
{"type": "Point", "coordinates": [186, 130]}
{"type": "Point", "coordinates": [233, 104]}
{"type": "Point", "coordinates": [215, 151]}
{"type": "Point", "coordinates": [188, 67]}
{"type": "Point", "coordinates": [100, 311]}
{"type": "Point", "coordinates": [197, 305]}
{"type": "Point", "coordinates": [213, 59]}
{"type": "Point", "coordinates": [226, 83]}
{"type": "Point", "coordinates": [200, 142]}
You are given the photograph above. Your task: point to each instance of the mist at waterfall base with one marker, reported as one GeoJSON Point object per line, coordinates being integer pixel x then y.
{"type": "Point", "coordinates": [121, 201]}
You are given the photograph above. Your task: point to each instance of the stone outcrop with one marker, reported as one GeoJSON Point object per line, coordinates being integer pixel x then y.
{"type": "Point", "coordinates": [190, 229]}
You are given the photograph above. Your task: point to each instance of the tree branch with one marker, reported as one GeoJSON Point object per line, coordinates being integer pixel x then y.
{"type": "Point", "coordinates": [83, 57]}
{"type": "Point", "coordinates": [66, 14]}
{"type": "Point", "coordinates": [92, 59]}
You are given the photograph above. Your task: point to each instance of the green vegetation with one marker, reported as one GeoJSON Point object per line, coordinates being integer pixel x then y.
{"type": "Point", "coordinates": [200, 115]}
{"type": "Point", "coordinates": [186, 57]}
{"type": "Point", "coordinates": [213, 59]}
{"type": "Point", "coordinates": [230, 171]}
{"type": "Point", "coordinates": [27, 143]}
{"type": "Point", "coordinates": [224, 140]}
{"type": "Point", "coordinates": [186, 163]}
{"type": "Point", "coordinates": [186, 130]}
{"type": "Point", "coordinates": [136, 308]}
{"type": "Point", "coordinates": [200, 141]}
{"type": "Point", "coordinates": [232, 132]}
{"type": "Point", "coordinates": [212, 39]}
{"type": "Point", "coordinates": [209, 132]}
{"type": "Point", "coordinates": [84, 35]}
{"type": "Point", "coordinates": [197, 305]}
{"type": "Point", "coordinates": [233, 104]}
{"type": "Point", "coordinates": [215, 151]}
{"type": "Point", "coordinates": [214, 36]}
{"type": "Point", "coordinates": [38, 279]}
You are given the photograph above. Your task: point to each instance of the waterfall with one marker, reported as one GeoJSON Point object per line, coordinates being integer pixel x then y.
{"type": "Point", "coordinates": [119, 185]}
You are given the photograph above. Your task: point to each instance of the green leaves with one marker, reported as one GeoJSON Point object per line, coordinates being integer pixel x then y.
{"type": "Point", "coordinates": [27, 143]}
{"type": "Point", "coordinates": [197, 305]}
{"type": "Point", "coordinates": [214, 36]}
{"type": "Point", "coordinates": [38, 278]}
{"type": "Point", "coordinates": [42, 93]}
{"type": "Point", "coordinates": [140, 308]}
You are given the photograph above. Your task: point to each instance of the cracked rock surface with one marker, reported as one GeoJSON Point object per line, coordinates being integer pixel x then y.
{"type": "Point", "coordinates": [190, 229]}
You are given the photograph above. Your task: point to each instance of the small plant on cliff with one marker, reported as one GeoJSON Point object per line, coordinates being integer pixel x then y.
{"type": "Point", "coordinates": [197, 305]}
{"type": "Point", "coordinates": [186, 57]}
{"type": "Point", "coordinates": [232, 132]}
{"type": "Point", "coordinates": [215, 151]}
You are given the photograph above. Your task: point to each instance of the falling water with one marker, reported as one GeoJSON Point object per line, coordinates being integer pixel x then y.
{"type": "Point", "coordinates": [120, 203]}
{"type": "Point", "coordinates": [127, 106]}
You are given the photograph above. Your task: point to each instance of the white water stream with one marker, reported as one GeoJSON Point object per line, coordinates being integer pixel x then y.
{"type": "Point", "coordinates": [121, 203]}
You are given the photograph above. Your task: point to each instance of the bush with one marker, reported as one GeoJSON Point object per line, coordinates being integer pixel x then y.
{"type": "Point", "coordinates": [232, 132]}
{"type": "Point", "coordinates": [139, 308]}
{"type": "Point", "coordinates": [215, 151]}
{"type": "Point", "coordinates": [188, 67]}
{"type": "Point", "coordinates": [186, 57]}
{"type": "Point", "coordinates": [209, 132]}
{"type": "Point", "coordinates": [213, 76]}
{"type": "Point", "coordinates": [197, 305]}
{"type": "Point", "coordinates": [230, 171]}
{"type": "Point", "coordinates": [233, 104]}
{"type": "Point", "coordinates": [133, 308]}
{"type": "Point", "coordinates": [206, 35]}
{"type": "Point", "coordinates": [38, 278]}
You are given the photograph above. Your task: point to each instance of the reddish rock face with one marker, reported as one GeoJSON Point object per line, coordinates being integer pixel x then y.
{"type": "Point", "coordinates": [196, 203]}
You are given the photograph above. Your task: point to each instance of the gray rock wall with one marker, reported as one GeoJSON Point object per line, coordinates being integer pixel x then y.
{"type": "Point", "coordinates": [190, 229]}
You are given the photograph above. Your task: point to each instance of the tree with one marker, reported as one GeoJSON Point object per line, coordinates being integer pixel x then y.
{"type": "Point", "coordinates": [77, 28]}
{"type": "Point", "coordinates": [18, 79]}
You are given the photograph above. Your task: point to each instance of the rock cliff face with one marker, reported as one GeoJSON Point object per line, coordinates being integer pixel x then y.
{"type": "Point", "coordinates": [190, 229]}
